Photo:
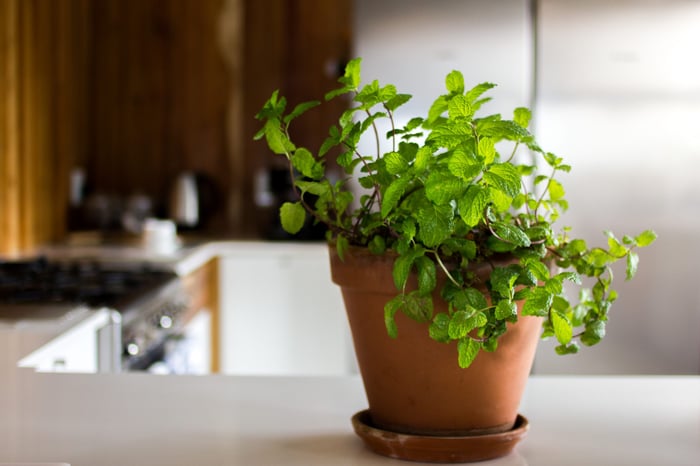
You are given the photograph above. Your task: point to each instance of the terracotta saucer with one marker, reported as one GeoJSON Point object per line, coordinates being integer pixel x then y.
{"type": "Point", "coordinates": [452, 449]}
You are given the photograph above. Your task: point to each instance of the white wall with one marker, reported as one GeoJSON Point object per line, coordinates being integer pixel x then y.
{"type": "Point", "coordinates": [619, 99]}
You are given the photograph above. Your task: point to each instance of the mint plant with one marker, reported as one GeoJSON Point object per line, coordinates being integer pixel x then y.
{"type": "Point", "coordinates": [449, 192]}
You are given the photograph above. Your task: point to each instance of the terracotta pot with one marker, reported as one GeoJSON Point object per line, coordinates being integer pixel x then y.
{"type": "Point", "coordinates": [413, 383]}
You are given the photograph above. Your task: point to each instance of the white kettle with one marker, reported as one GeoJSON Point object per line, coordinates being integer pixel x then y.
{"type": "Point", "coordinates": [184, 201]}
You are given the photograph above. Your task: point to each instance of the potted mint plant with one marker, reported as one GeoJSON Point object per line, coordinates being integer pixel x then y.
{"type": "Point", "coordinates": [448, 260]}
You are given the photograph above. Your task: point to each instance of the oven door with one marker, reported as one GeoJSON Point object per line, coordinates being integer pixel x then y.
{"type": "Point", "coordinates": [187, 351]}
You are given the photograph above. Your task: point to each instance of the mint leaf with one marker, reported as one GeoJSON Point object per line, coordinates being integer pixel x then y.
{"type": "Point", "coordinates": [467, 349]}
{"type": "Point", "coordinates": [390, 309]}
{"type": "Point", "coordinates": [506, 309]}
{"type": "Point", "coordinates": [277, 141]}
{"type": "Point", "coordinates": [538, 302]}
{"type": "Point", "coordinates": [562, 327]}
{"type": "Point", "coordinates": [522, 116]}
{"type": "Point", "coordinates": [487, 149]}
{"type": "Point", "coordinates": [438, 329]}
{"type": "Point", "coordinates": [427, 276]}
{"type": "Point", "coordinates": [417, 307]}
{"type": "Point", "coordinates": [442, 189]}
{"type": "Point", "coordinates": [305, 162]}
{"type": "Point", "coordinates": [393, 194]}
{"type": "Point", "coordinates": [434, 224]}
{"type": "Point", "coordinates": [395, 163]}
{"type": "Point", "coordinates": [595, 331]}
{"type": "Point", "coordinates": [505, 177]}
{"type": "Point", "coordinates": [511, 234]}
{"type": "Point", "coordinates": [645, 238]}
{"type": "Point", "coordinates": [300, 109]}
{"type": "Point", "coordinates": [632, 263]}
{"type": "Point", "coordinates": [459, 107]}
{"type": "Point", "coordinates": [471, 206]}
{"type": "Point", "coordinates": [454, 82]}
{"type": "Point", "coordinates": [458, 327]}
{"type": "Point", "coordinates": [463, 165]}
{"type": "Point", "coordinates": [292, 217]}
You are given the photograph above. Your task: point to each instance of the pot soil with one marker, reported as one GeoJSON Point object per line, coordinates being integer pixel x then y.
{"type": "Point", "coordinates": [414, 384]}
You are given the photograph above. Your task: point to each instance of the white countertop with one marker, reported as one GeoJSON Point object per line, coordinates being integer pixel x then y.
{"type": "Point", "coordinates": [139, 419]}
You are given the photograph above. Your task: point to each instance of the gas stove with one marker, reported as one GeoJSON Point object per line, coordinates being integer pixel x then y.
{"type": "Point", "coordinates": [147, 301]}
{"type": "Point", "coordinates": [90, 283]}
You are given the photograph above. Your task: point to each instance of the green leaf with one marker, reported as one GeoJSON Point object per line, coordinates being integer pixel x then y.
{"type": "Point", "coordinates": [442, 189]}
{"type": "Point", "coordinates": [402, 269]}
{"type": "Point", "coordinates": [316, 188]}
{"type": "Point", "coordinates": [471, 206]}
{"type": "Point", "coordinates": [540, 270]}
{"type": "Point", "coordinates": [463, 165]}
{"type": "Point", "coordinates": [571, 348]}
{"type": "Point", "coordinates": [390, 309]}
{"type": "Point", "coordinates": [300, 109]}
{"type": "Point", "coordinates": [522, 116]}
{"type": "Point", "coordinates": [417, 307]}
{"type": "Point", "coordinates": [645, 238]}
{"type": "Point", "coordinates": [377, 245]}
{"type": "Point", "coordinates": [506, 309]}
{"type": "Point", "coordinates": [487, 149]}
{"type": "Point", "coordinates": [595, 331]}
{"type": "Point", "coordinates": [459, 107]}
{"type": "Point", "coordinates": [341, 245]}
{"type": "Point", "coordinates": [292, 217]}
{"type": "Point", "coordinates": [351, 78]}
{"type": "Point", "coordinates": [393, 194]}
{"type": "Point", "coordinates": [438, 107]}
{"type": "Point", "coordinates": [454, 82]}
{"type": "Point", "coordinates": [305, 162]}
{"type": "Point", "coordinates": [505, 177]}
{"type": "Point", "coordinates": [434, 224]}
{"type": "Point", "coordinates": [475, 92]}
{"type": "Point", "coordinates": [397, 101]}
{"type": "Point", "coordinates": [427, 277]}
{"type": "Point", "coordinates": [556, 190]}
{"type": "Point", "coordinates": [562, 327]}
{"type": "Point", "coordinates": [632, 263]}
{"type": "Point", "coordinates": [511, 234]}
{"type": "Point", "coordinates": [467, 349]}
{"type": "Point", "coordinates": [423, 157]}
{"type": "Point", "coordinates": [459, 327]}
{"type": "Point", "coordinates": [277, 141]}
{"type": "Point", "coordinates": [475, 298]}
{"type": "Point", "coordinates": [503, 279]}
{"type": "Point", "coordinates": [395, 163]}
{"type": "Point", "coordinates": [439, 328]}
{"type": "Point", "coordinates": [538, 302]}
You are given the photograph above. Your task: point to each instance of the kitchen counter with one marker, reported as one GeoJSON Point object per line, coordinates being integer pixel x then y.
{"type": "Point", "coordinates": [139, 419]}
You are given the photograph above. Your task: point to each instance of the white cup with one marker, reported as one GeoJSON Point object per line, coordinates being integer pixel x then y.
{"type": "Point", "coordinates": [160, 236]}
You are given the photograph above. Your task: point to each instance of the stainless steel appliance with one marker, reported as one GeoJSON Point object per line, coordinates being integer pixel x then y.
{"type": "Point", "coordinates": [148, 304]}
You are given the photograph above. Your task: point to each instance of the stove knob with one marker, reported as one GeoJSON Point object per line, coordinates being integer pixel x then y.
{"type": "Point", "coordinates": [165, 321]}
{"type": "Point", "coordinates": [132, 348]}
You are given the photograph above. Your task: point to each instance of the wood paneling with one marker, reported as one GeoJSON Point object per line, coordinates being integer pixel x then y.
{"type": "Point", "coordinates": [42, 53]}
{"type": "Point", "coordinates": [158, 96]}
{"type": "Point", "coordinates": [136, 91]}
{"type": "Point", "coordinates": [299, 47]}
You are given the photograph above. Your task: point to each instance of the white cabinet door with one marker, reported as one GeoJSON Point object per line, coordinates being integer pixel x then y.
{"type": "Point", "coordinates": [281, 314]}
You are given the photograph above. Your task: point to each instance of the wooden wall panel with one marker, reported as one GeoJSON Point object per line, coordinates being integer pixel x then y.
{"type": "Point", "coordinates": [297, 46]}
{"type": "Point", "coordinates": [40, 65]}
{"type": "Point", "coordinates": [159, 91]}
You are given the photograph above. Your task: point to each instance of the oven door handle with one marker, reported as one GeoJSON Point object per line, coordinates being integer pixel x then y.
{"type": "Point", "coordinates": [109, 344]}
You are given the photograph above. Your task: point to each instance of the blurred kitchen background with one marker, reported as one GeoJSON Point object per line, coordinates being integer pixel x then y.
{"type": "Point", "coordinates": [114, 111]}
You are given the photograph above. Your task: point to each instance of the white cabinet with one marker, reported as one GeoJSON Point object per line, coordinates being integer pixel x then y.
{"type": "Point", "coordinates": [85, 344]}
{"type": "Point", "coordinates": [280, 312]}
